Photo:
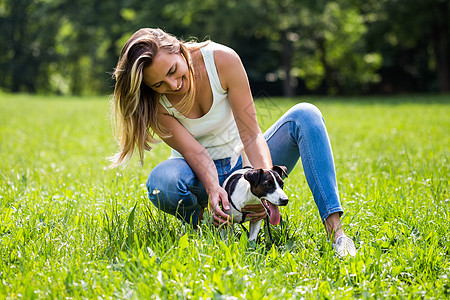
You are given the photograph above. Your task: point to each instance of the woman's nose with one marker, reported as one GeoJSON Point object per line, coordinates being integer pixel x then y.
{"type": "Point", "coordinates": [173, 83]}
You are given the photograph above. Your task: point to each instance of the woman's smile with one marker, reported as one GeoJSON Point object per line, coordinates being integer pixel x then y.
{"type": "Point", "coordinates": [168, 74]}
{"type": "Point", "coordinates": [180, 86]}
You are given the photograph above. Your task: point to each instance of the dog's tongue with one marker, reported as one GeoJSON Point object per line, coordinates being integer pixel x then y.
{"type": "Point", "coordinates": [274, 214]}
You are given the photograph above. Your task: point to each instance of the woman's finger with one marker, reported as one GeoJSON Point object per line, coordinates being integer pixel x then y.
{"type": "Point", "coordinates": [218, 212]}
{"type": "Point", "coordinates": [219, 221]}
{"type": "Point", "coordinates": [257, 214]}
{"type": "Point", "coordinates": [254, 208]}
{"type": "Point", "coordinates": [259, 218]}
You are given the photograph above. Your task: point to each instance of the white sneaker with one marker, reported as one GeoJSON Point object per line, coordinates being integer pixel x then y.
{"type": "Point", "coordinates": [344, 246]}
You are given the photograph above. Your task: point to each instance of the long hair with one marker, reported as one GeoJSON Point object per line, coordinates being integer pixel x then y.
{"type": "Point", "coordinates": [134, 104]}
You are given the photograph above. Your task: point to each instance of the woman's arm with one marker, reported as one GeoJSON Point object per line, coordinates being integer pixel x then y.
{"type": "Point", "coordinates": [200, 162]}
{"type": "Point", "coordinates": [234, 80]}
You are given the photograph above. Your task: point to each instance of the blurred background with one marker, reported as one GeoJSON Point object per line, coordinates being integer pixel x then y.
{"type": "Point", "coordinates": [289, 47]}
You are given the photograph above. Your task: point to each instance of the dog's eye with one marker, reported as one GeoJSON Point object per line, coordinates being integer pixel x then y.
{"type": "Point", "coordinates": [280, 183]}
{"type": "Point", "coordinates": [268, 184]}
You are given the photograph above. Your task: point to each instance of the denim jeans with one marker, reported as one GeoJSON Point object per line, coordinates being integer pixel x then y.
{"type": "Point", "coordinates": [299, 133]}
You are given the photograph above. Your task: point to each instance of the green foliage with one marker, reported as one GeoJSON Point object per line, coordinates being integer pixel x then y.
{"type": "Point", "coordinates": [331, 49]}
{"type": "Point", "coordinates": [404, 32]}
{"type": "Point", "coordinates": [335, 47]}
{"type": "Point", "coordinates": [26, 54]}
{"type": "Point", "coordinates": [70, 227]}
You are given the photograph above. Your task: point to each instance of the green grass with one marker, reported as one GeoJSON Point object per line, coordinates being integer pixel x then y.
{"type": "Point", "coordinates": [72, 228]}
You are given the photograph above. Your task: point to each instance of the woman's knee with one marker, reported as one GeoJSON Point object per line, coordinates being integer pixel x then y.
{"type": "Point", "coordinates": [156, 186]}
{"type": "Point", "coordinates": [168, 183]}
{"type": "Point", "coordinates": [306, 112]}
{"type": "Point", "coordinates": [169, 186]}
{"type": "Point", "coordinates": [308, 119]}
{"type": "Point", "coordinates": [168, 174]}
{"type": "Point", "coordinates": [157, 180]}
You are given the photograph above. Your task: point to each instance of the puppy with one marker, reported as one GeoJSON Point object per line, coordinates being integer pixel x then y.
{"type": "Point", "coordinates": [256, 186]}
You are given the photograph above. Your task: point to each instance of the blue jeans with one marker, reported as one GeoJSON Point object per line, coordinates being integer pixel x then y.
{"type": "Point", "coordinates": [300, 132]}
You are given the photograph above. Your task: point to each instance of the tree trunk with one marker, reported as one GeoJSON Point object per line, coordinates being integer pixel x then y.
{"type": "Point", "coordinates": [76, 82]}
{"type": "Point", "coordinates": [288, 82]}
{"type": "Point", "coordinates": [17, 36]}
{"type": "Point", "coordinates": [333, 85]}
{"type": "Point", "coordinates": [441, 45]}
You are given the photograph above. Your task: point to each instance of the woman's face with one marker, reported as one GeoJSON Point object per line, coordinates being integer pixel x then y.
{"type": "Point", "coordinates": [168, 74]}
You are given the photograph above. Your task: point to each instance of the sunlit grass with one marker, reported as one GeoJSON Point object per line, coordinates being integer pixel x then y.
{"type": "Point", "coordinates": [71, 227]}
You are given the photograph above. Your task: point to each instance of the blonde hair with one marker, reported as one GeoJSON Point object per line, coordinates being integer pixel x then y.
{"type": "Point", "coordinates": [134, 104]}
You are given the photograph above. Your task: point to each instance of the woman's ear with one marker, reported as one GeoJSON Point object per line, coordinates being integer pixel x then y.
{"type": "Point", "coordinates": [253, 176]}
{"type": "Point", "coordinates": [281, 170]}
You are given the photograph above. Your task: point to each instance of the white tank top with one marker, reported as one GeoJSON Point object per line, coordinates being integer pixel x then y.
{"type": "Point", "coordinates": [216, 130]}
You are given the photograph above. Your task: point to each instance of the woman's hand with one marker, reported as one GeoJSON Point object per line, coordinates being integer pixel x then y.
{"type": "Point", "coordinates": [217, 196]}
{"type": "Point", "coordinates": [257, 212]}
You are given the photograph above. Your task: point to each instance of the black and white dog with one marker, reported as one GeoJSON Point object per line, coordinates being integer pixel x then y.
{"type": "Point", "coordinates": [256, 186]}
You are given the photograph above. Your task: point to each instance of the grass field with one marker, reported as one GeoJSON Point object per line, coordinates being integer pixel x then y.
{"type": "Point", "coordinates": [72, 228]}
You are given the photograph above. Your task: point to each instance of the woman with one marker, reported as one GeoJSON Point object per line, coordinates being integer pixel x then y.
{"type": "Point", "coordinates": [196, 98]}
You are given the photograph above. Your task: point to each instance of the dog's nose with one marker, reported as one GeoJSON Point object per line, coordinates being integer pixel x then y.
{"type": "Point", "coordinates": [283, 201]}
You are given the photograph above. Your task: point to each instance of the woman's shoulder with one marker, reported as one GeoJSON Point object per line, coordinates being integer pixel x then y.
{"type": "Point", "coordinates": [227, 63]}
{"type": "Point", "coordinates": [223, 54]}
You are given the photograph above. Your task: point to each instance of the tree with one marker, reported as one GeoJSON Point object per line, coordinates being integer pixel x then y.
{"type": "Point", "coordinates": [287, 46]}
{"type": "Point", "coordinates": [414, 39]}
{"type": "Point", "coordinates": [27, 44]}
{"type": "Point", "coordinates": [320, 43]}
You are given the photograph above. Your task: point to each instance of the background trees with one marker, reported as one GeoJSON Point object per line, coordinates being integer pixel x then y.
{"type": "Point", "coordinates": [413, 38]}
{"type": "Point", "coordinates": [289, 47]}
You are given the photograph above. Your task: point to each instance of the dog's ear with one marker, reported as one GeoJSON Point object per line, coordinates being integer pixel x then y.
{"type": "Point", "coordinates": [253, 176]}
{"type": "Point", "coordinates": [281, 170]}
